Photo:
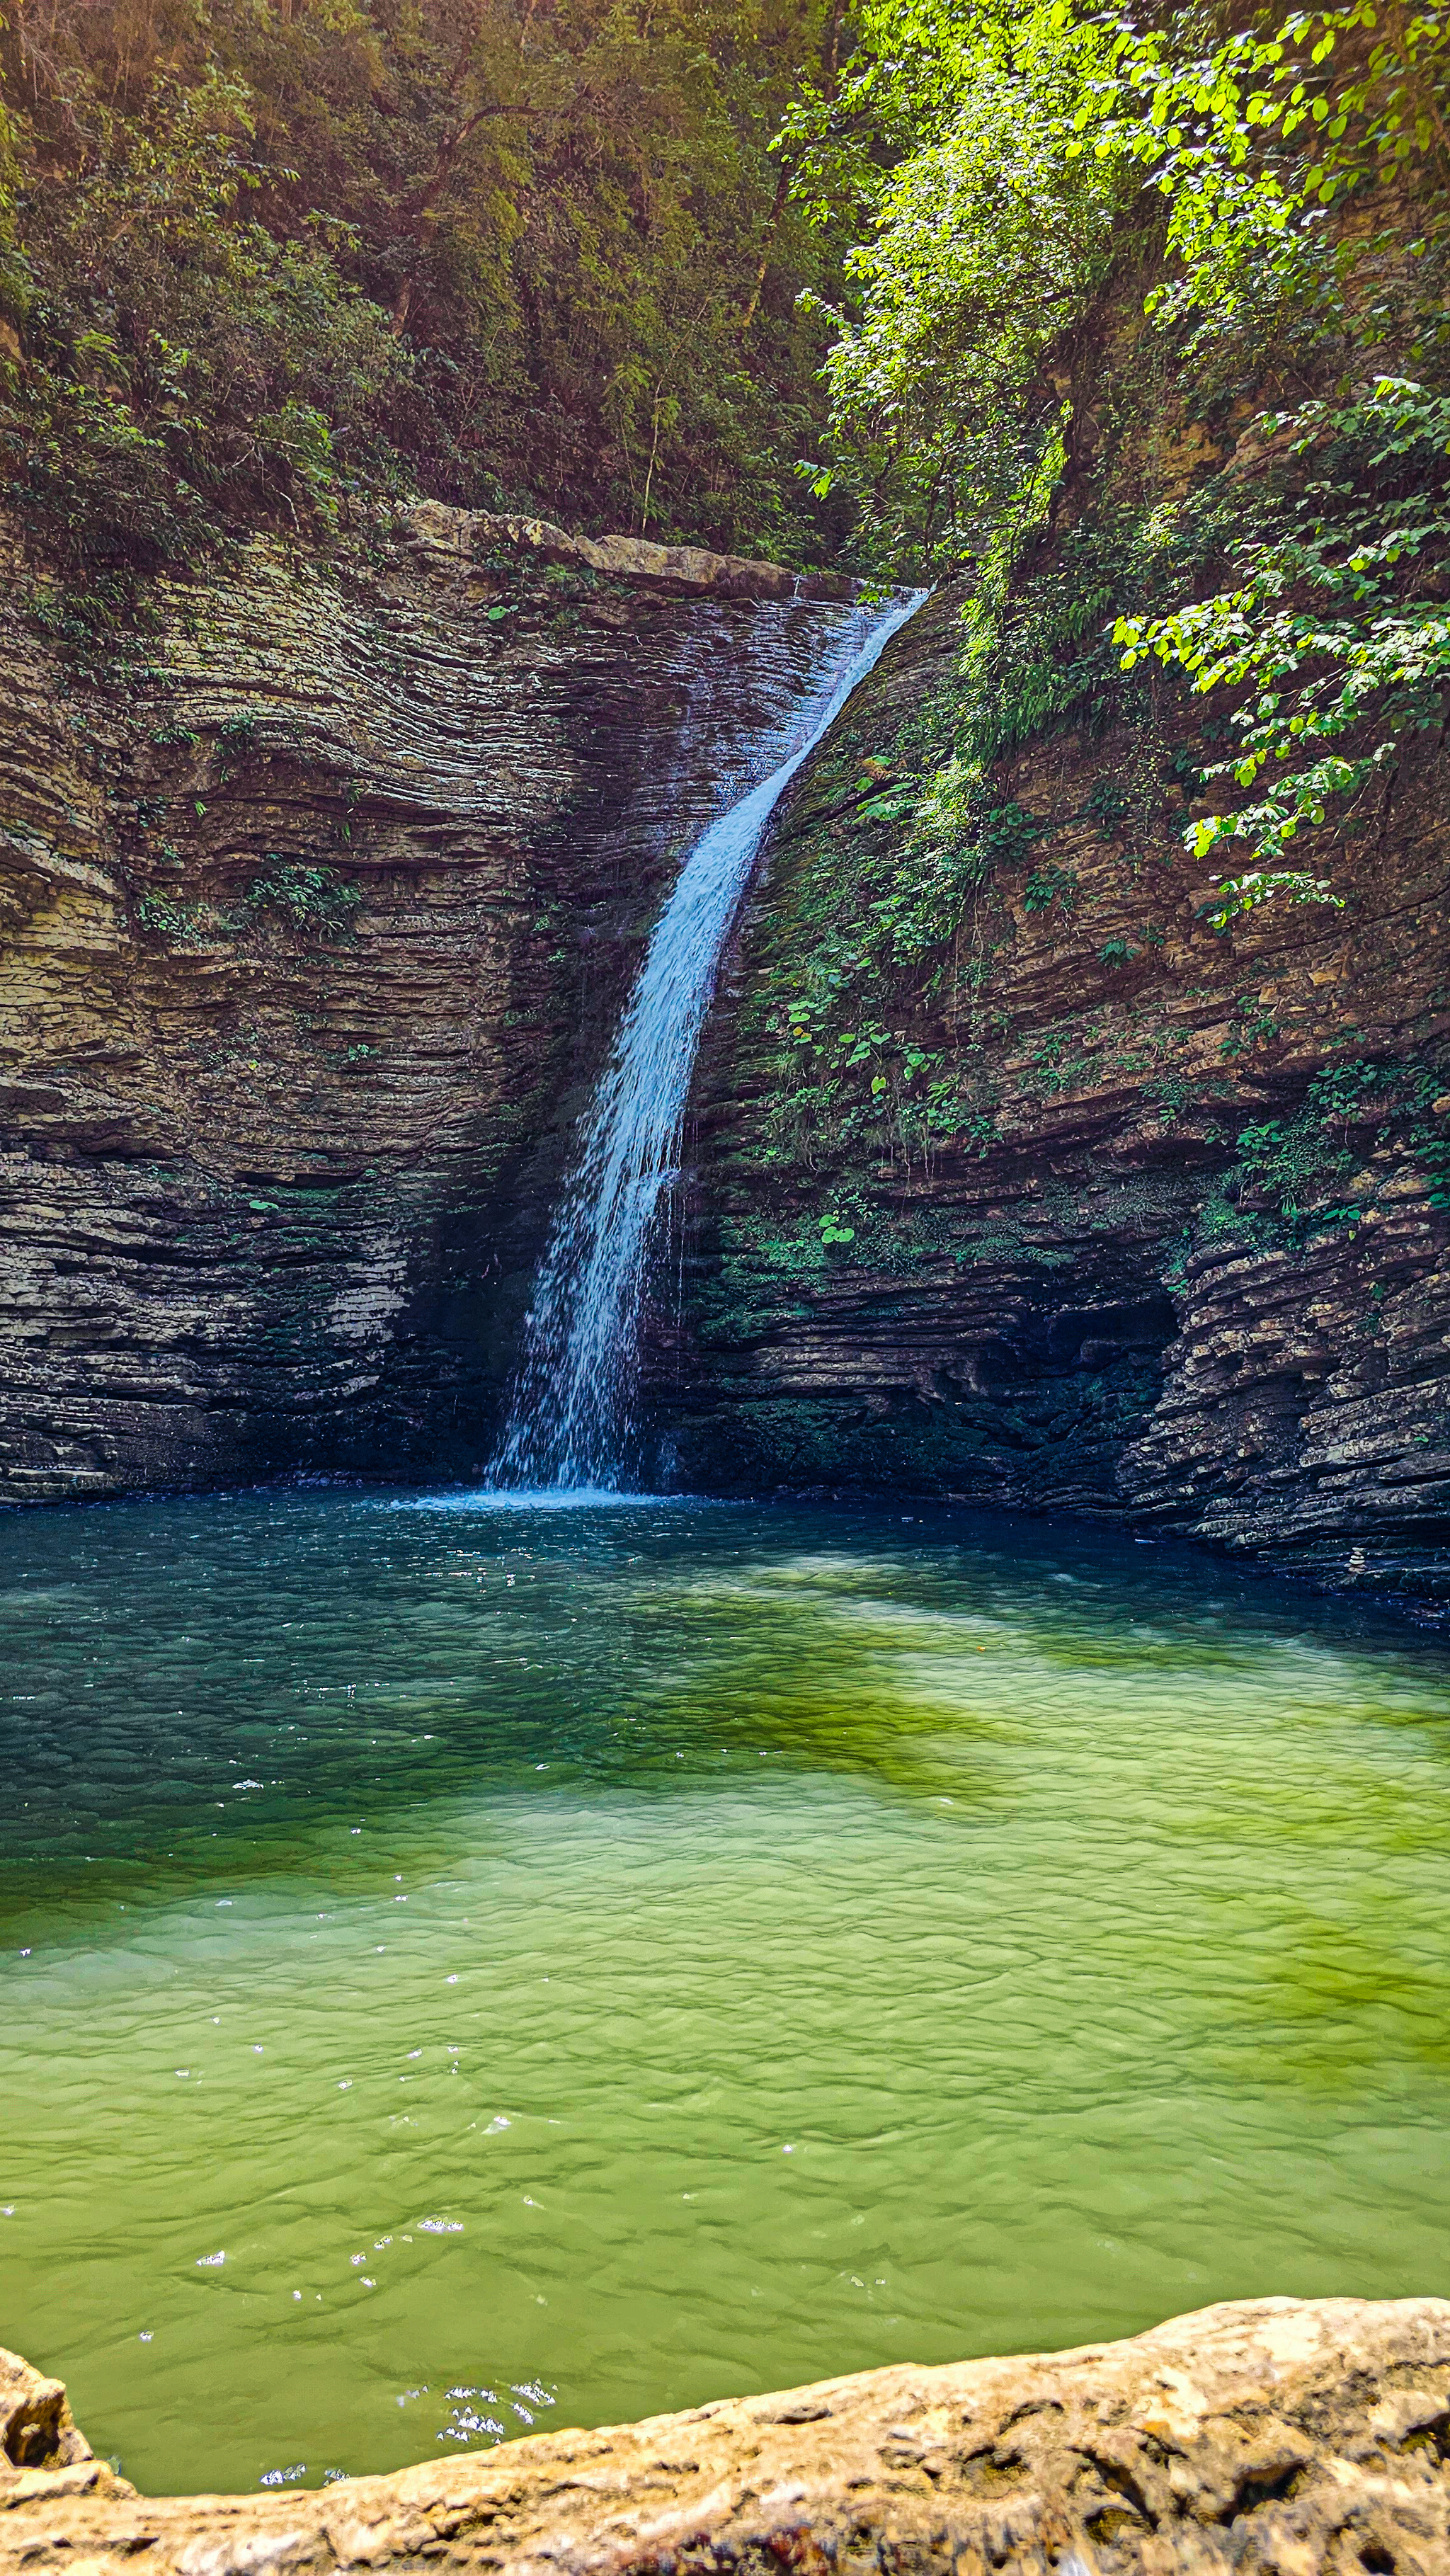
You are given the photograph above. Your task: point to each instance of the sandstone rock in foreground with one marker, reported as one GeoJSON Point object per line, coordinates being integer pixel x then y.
{"type": "Point", "coordinates": [1268, 2435]}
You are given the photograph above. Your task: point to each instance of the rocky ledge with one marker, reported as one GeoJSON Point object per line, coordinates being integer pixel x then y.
{"type": "Point", "coordinates": [1284, 2435]}
{"type": "Point", "coordinates": [435, 529]}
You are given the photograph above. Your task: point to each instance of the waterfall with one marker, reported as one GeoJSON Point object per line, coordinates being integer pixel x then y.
{"type": "Point", "coordinates": [571, 1417]}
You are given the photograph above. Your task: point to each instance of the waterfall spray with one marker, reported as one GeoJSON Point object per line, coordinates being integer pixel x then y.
{"type": "Point", "coordinates": [571, 1420]}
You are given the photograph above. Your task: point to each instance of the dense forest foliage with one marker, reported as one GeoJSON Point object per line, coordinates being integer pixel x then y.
{"type": "Point", "coordinates": [747, 270]}
{"type": "Point", "coordinates": [1146, 329]}
{"type": "Point", "coordinates": [260, 259]}
{"type": "Point", "coordinates": [813, 283]}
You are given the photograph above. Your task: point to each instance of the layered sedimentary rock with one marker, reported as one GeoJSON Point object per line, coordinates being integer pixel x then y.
{"type": "Point", "coordinates": [1273, 2437]}
{"type": "Point", "coordinates": [318, 904]}
{"type": "Point", "coordinates": [1079, 1202]}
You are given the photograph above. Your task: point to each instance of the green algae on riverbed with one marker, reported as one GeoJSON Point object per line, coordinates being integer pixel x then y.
{"type": "Point", "coordinates": [468, 1966]}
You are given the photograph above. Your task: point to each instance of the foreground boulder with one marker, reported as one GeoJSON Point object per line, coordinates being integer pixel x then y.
{"type": "Point", "coordinates": [1267, 2435]}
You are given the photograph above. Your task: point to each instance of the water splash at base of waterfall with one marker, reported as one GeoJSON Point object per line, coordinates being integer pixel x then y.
{"type": "Point", "coordinates": [571, 1423]}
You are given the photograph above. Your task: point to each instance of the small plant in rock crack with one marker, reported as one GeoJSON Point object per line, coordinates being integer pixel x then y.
{"type": "Point", "coordinates": [238, 732]}
{"type": "Point", "coordinates": [184, 924]}
{"type": "Point", "coordinates": [1253, 1026]}
{"type": "Point", "coordinates": [1106, 802]}
{"type": "Point", "coordinates": [1047, 886]}
{"type": "Point", "coordinates": [310, 898]}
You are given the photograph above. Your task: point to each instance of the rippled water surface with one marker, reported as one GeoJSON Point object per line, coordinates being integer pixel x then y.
{"type": "Point", "coordinates": [465, 1967]}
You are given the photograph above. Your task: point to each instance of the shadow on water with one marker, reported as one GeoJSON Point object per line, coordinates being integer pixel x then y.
{"type": "Point", "coordinates": [208, 1689]}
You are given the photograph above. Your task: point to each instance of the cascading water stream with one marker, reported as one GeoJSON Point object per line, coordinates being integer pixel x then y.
{"type": "Point", "coordinates": [571, 1417]}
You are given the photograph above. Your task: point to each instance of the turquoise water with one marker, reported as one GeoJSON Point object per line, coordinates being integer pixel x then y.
{"type": "Point", "coordinates": [467, 1967]}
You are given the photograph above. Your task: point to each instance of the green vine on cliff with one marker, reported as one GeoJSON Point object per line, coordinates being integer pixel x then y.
{"type": "Point", "coordinates": [1336, 627]}
{"type": "Point", "coordinates": [1312, 1172]}
{"type": "Point", "coordinates": [310, 898]}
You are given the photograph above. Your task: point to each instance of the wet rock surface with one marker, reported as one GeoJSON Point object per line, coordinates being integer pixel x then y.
{"type": "Point", "coordinates": [1306, 2438]}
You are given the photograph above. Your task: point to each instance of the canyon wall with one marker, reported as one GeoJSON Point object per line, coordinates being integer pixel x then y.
{"type": "Point", "coordinates": [319, 900]}
{"type": "Point", "coordinates": [1073, 1201]}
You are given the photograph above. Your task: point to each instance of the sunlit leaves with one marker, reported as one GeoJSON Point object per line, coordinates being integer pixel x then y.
{"type": "Point", "coordinates": [1260, 885]}
{"type": "Point", "coordinates": [1222, 135]}
{"type": "Point", "coordinates": [981, 236]}
{"type": "Point", "coordinates": [1318, 630]}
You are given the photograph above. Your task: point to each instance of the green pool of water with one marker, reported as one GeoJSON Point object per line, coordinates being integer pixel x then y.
{"type": "Point", "coordinates": [463, 1969]}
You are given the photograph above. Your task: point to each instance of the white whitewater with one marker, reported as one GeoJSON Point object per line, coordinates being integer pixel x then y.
{"type": "Point", "coordinates": [572, 1416]}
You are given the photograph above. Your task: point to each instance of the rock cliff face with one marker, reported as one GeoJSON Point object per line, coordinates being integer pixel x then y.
{"type": "Point", "coordinates": [1082, 1204]}
{"type": "Point", "coordinates": [318, 910]}
{"type": "Point", "coordinates": [1274, 2437]}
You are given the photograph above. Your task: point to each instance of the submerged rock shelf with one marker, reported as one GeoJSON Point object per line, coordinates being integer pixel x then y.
{"type": "Point", "coordinates": [1305, 2437]}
